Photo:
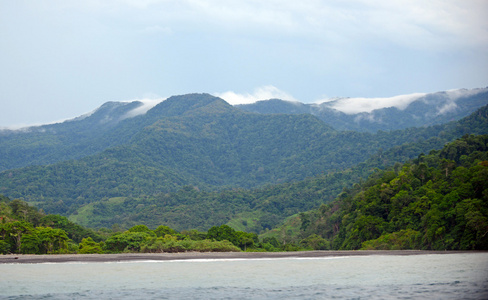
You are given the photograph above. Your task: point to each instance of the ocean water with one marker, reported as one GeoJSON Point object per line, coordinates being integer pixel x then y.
{"type": "Point", "coordinates": [437, 276]}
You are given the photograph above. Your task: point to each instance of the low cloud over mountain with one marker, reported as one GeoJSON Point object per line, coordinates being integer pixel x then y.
{"type": "Point", "coordinates": [372, 114]}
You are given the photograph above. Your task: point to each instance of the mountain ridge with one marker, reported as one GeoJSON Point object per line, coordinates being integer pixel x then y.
{"type": "Point", "coordinates": [115, 123]}
{"type": "Point", "coordinates": [425, 110]}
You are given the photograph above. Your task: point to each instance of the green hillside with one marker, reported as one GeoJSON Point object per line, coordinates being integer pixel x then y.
{"type": "Point", "coordinates": [437, 202]}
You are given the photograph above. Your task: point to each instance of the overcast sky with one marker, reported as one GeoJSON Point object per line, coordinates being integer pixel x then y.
{"type": "Point", "coordinates": [60, 59]}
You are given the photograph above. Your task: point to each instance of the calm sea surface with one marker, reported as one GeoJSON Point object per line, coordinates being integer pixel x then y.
{"type": "Point", "coordinates": [449, 276]}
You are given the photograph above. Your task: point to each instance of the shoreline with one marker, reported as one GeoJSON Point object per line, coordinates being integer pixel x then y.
{"type": "Point", "coordinates": [134, 257]}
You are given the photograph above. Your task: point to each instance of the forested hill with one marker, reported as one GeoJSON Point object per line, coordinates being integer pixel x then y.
{"type": "Point", "coordinates": [437, 201]}
{"type": "Point", "coordinates": [426, 110]}
{"type": "Point", "coordinates": [112, 124]}
{"type": "Point", "coordinates": [105, 127]}
{"type": "Point", "coordinates": [204, 142]}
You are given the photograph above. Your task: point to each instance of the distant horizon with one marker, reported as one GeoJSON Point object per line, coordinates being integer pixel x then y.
{"type": "Point", "coordinates": [348, 105]}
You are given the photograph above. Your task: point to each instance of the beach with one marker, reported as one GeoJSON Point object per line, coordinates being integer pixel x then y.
{"type": "Point", "coordinates": [126, 257]}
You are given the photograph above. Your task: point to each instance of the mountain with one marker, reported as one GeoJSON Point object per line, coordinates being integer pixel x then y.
{"type": "Point", "coordinates": [72, 139]}
{"type": "Point", "coordinates": [418, 110]}
{"type": "Point", "coordinates": [201, 141]}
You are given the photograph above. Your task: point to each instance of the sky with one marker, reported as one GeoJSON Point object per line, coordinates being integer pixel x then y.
{"type": "Point", "coordinates": [60, 59]}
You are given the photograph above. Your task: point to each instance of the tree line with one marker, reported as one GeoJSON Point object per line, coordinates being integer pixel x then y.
{"type": "Point", "coordinates": [26, 230]}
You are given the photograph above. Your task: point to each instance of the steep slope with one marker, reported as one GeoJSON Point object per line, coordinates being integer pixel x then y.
{"type": "Point", "coordinates": [437, 202]}
{"type": "Point", "coordinates": [112, 124]}
{"type": "Point", "coordinates": [72, 139]}
{"type": "Point", "coordinates": [424, 110]}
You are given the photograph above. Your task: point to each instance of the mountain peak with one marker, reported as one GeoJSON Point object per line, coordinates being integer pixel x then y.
{"type": "Point", "coordinates": [182, 104]}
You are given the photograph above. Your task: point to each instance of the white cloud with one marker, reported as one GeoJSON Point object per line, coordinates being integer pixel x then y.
{"type": "Point", "coordinates": [454, 95]}
{"type": "Point", "coordinates": [261, 93]}
{"type": "Point", "coordinates": [448, 107]}
{"type": "Point", "coordinates": [147, 104]}
{"type": "Point", "coordinates": [358, 105]}
{"type": "Point", "coordinates": [413, 23]}
{"type": "Point", "coordinates": [458, 93]}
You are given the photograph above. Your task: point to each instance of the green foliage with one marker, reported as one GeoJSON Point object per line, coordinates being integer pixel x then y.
{"type": "Point", "coordinates": [89, 246]}
{"type": "Point", "coordinates": [399, 240]}
{"type": "Point", "coordinates": [21, 210]}
{"type": "Point", "coordinates": [223, 232]}
{"type": "Point", "coordinates": [4, 247]}
{"type": "Point", "coordinates": [171, 244]}
{"type": "Point", "coordinates": [315, 242]}
{"type": "Point", "coordinates": [162, 230]}
{"type": "Point", "coordinates": [74, 231]}
{"type": "Point", "coordinates": [437, 202]}
{"type": "Point", "coordinates": [192, 234]}
{"type": "Point", "coordinates": [127, 242]}
{"type": "Point", "coordinates": [139, 228]}
{"type": "Point", "coordinates": [22, 237]}
{"type": "Point", "coordinates": [12, 233]}
{"type": "Point", "coordinates": [240, 239]}
{"type": "Point", "coordinates": [44, 240]}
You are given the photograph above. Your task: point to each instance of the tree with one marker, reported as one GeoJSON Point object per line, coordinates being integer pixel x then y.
{"type": "Point", "coordinates": [53, 240]}
{"type": "Point", "coordinates": [448, 165]}
{"type": "Point", "coordinates": [139, 228]}
{"type": "Point", "coordinates": [89, 246]}
{"type": "Point", "coordinates": [44, 240]}
{"type": "Point", "coordinates": [4, 247]}
{"type": "Point", "coordinates": [127, 241]}
{"type": "Point", "coordinates": [245, 240]}
{"type": "Point", "coordinates": [15, 231]}
{"type": "Point", "coordinates": [315, 242]}
{"type": "Point", "coordinates": [222, 232]}
{"type": "Point", "coordinates": [162, 230]}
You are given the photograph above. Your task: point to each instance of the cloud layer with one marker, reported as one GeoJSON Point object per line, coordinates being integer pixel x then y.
{"type": "Point", "coordinates": [358, 105]}
{"type": "Point", "coordinates": [261, 93]}
{"type": "Point", "coordinates": [147, 104]}
{"type": "Point", "coordinates": [414, 23]}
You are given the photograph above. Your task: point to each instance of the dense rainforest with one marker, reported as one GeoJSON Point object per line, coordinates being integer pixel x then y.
{"type": "Point", "coordinates": [437, 201]}
{"type": "Point", "coordinates": [201, 143]}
